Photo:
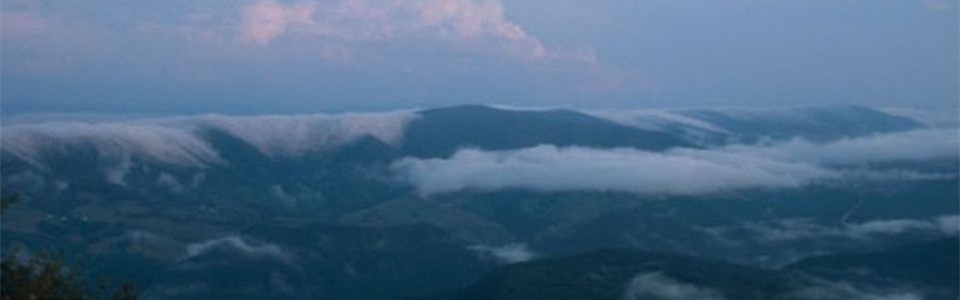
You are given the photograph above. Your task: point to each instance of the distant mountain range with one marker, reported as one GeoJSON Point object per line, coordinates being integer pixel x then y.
{"type": "Point", "coordinates": [440, 202]}
{"type": "Point", "coordinates": [631, 274]}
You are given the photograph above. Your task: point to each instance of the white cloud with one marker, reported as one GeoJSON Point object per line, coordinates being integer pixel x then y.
{"type": "Point", "coordinates": [655, 286]}
{"type": "Point", "coordinates": [654, 119]}
{"type": "Point", "coordinates": [923, 144]}
{"type": "Point", "coordinates": [678, 172]}
{"type": "Point", "coordinates": [294, 135]}
{"type": "Point", "coordinates": [169, 182]}
{"type": "Point", "coordinates": [511, 253]}
{"type": "Point", "coordinates": [176, 141]}
{"type": "Point", "coordinates": [825, 290]}
{"type": "Point", "coordinates": [628, 170]}
{"type": "Point", "coordinates": [930, 118]}
{"type": "Point", "coordinates": [236, 243]}
{"type": "Point", "coordinates": [887, 227]}
{"type": "Point", "coordinates": [117, 142]}
{"type": "Point", "coordinates": [117, 174]}
{"type": "Point", "coordinates": [949, 224]}
{"type": "Point", "coordinates": [799, 229]}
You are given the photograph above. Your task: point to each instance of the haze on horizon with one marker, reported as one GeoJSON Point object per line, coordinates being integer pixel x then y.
{"type": "Point", "coordinates": [278, 56]}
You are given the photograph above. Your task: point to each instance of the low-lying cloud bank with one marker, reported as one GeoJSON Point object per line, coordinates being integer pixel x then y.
{"type": "Point", "coordinates": [844, 291]}
{"type": "Point", "coordinates": [510, 253]}
{"type": "Point", "coordinates": [239, 244]}
{"type": "Point", "coordinates": [179, 140]}
{"type": "Point", "coordinates": [909, 145]}
{"type": "Point", "coordinates": [657, 286]}
{"type": "Point", "coordinates": [678, 172]}
{"type": "Point", "coordinates": [799, 229]}
{"type": "Point", "coordinates": [548, 168]}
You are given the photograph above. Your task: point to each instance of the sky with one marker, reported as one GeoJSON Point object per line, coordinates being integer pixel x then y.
{"type": "Point", "coordinates": [300, 56]}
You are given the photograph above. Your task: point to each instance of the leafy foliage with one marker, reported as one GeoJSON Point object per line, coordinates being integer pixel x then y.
{"type": "Point", "coordinates": [43, 276]}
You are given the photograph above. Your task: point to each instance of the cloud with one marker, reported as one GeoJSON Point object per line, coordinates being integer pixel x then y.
{"type": "Point", "coordinates": [949, 224]}
{"type": "Point", "coordinates": [548, 168]}
{"type": "Point", "coordinates": [117, 174]}
{"type": "Point", "coordinates": [20, 23]}
{"type": "Point", "coordinates": [170, 182]}
{"type": "Point", "coordinates": [938, 5]}
{"type": "Point", "coordinates": [655, 119]}
{"type": "Point", "coordinates": [236, 243]}
{"type": "Point", "coordinates": [265, 20]}
{"type": "Point", "coordinates": [39, 39]}
{"type": "Point", "coordinates": [116, 142]}
{"type": "Point", "coordinates": [655, 286]}
{"type": "Point", "coordinates": [930, 118]}
{"type": "Point", "coordinates": [923, 144]}
{"type": "Point", "coordinates": [825, 290]}
{"type": "Point", "coordinates": [292, 135]}
{"type": "Point", "coordinates": [178, 141]}
{"type": "Point", "coordinates": [470, 20]}
{"type": "Point", "coordinates": [800, 229]}
{"type": "Point", "coordinates": [791, 164]}
{"type": "Point", "coordinates": [511, 253]}
{"type": "Point", "coordinates": [472, 25]}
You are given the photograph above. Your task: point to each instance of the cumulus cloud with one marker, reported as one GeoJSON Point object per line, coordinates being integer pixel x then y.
{"type": "Point", "coordinates": [236, 243]}
{"type": "Point", "coordinates": [510, 253]}
{"type": "Point", "coordinates": [17, 23]}
{"type": "Point", "coordinates": [467, 19]}
{"type": "Point", "coordinates": [266, 20]}
{"type": "Point", "coordinates": [659, 287]}
{"type": "Point", "coordinates": [790, 164]}
{"type": "Point", "coordinates": [483, 24]}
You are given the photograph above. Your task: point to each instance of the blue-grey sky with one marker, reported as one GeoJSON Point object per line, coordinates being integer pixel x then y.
{"type": "Point", "coordinates": [290, 56]}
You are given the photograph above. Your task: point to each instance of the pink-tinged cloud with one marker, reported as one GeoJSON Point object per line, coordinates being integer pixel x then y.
{"type": "Point", "coordinates": [480, 25]}
{"type": "Point", "coordinates": [266, 20]}
{"type": "Point", "coordinates": [938, 5]}
{"type": "Point", "coordinates": [468, 19]}
{"type": "Point", "coordinates": [19, 23]}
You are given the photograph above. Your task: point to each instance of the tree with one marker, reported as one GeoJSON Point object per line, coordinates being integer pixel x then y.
{"type": "Point", "coordinates": [46, 277]}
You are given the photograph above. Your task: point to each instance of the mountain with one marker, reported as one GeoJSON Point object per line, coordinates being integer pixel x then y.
{"type": "Point", "coordinates": [914, 270]}
{"type": "Point", "coordinates": [440, 132]}
{"type": "Point", "coordinates": [341, 207]}
{"type": "Point", "coordinates": [919, 265]}
{"type": "Point", "coordinates": [721, 126]}
{"type": "Point", "coordinates": [628, 274]}
{"type": "Point", "coordinates": [816, 123]}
